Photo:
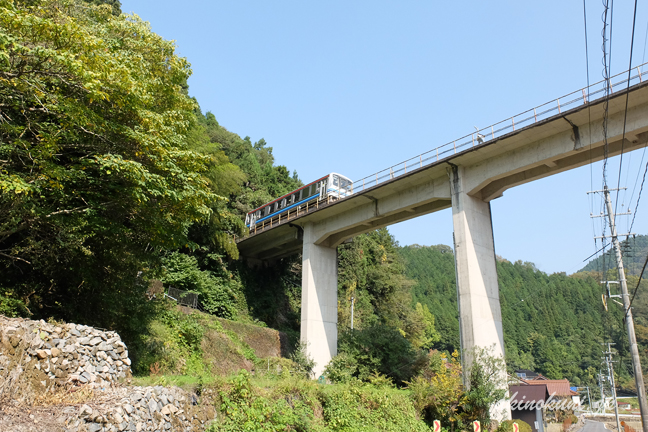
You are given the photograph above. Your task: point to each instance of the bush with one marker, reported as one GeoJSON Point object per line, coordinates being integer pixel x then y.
{"type": "Point", "coordinates": [171, 343]}
{"type": "Point", "coordinates": [438, 392]}
{"type": "Point", "coordinates": [376, 350]}
{"type": "Point", "coordinates": [12, 307]}
{"type": "Point", "coordinates": [298, 404]}
{"type": "Point", "coordinates": [302, 361]}
{"type": "Point", "coordinates": [507, 426]}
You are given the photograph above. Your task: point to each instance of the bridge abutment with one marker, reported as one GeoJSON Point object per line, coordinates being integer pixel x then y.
{"type": "Point", "coordinates": [319, 300]}
{"type": "Point", "coordinates": [480, 316]}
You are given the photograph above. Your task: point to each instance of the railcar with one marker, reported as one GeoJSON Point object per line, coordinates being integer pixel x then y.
{"type": "Point", "coordinates": [334, 185]}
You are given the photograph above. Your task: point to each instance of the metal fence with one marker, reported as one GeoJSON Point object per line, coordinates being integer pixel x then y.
{"type": "Point", "coordinates": [184, 298]}
{"type": "Point", "coordinates": [483, 136]}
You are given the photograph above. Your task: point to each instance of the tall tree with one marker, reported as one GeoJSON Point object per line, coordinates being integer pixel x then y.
{"type": "Point", "coordinates": [94, 168]}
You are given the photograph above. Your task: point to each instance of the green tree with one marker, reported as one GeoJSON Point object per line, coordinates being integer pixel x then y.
{"type": "Point", "coordinates": [95, 172]}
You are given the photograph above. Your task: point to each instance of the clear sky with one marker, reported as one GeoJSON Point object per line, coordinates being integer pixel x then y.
{"type": "Point", "coordinates": [355, 87]}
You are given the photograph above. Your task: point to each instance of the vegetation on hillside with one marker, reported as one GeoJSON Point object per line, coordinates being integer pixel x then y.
{"type": "Point", "coordinates": [553, 324]}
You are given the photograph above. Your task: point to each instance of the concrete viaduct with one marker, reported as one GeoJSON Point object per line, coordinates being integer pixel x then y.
{"type": "Point", "coordinates": [466, 177]}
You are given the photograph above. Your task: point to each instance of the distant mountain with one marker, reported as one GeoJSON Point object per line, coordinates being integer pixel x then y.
{"type": "Point", "coordinates": [633, 250]}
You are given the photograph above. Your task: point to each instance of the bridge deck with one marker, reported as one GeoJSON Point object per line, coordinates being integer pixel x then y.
{"type": "Point", "coordinates": [564, 141]}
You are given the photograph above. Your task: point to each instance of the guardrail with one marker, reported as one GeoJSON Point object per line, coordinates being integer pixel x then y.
{"type": "Point", "coordinates": [483, 136]}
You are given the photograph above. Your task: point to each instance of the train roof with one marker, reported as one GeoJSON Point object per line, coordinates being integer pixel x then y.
{"type": "Point", "coordinates": [297, 190]}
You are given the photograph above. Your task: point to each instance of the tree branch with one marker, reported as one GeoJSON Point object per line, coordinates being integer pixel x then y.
{"type": "Point", "coordinates": [14, 258]}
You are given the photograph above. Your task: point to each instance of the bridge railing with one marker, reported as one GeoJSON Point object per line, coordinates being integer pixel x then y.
{"type": "Point", "coordinates": [511, 124]}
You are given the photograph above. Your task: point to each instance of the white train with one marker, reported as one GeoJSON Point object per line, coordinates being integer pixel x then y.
{"type": "Point", "coordinates": [334, 185]}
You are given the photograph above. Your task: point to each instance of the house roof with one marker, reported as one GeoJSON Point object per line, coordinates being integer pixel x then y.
{"type": "Point", "coordinates": [557, 388]}
{"type": "Point", "coordinates": [528, 393]}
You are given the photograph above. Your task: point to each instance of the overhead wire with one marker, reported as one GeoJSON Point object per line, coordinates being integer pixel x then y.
{"type": "Point", "coordinates": [643, 154]}
{"type": "Point", "coordinates": [634, 214]}
{"type": "Point", "coordinates": [606, 332]}
{"type": "Point", "coordinates": [589, 124]}
{"type": "Point", "coordinates": [606, 79]}
{"type": "Point", "coordinates": [625, 115]}
{"type": "Point", "coordinates": [637, 287]}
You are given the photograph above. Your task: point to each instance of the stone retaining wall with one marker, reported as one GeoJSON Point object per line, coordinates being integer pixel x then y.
{"type": "Point", "coordinates": [37, 357]}
{"type": "Point", "coordinates": [141, 409]}
{"type": "Point", "coordinates": [61, 353]}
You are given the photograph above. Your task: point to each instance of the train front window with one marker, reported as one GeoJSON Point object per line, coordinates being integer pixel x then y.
{"type": "Point", "coordinates": [335, 180]}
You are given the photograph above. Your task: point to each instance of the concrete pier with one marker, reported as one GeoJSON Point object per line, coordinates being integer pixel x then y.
{"type": "Point", "coordinates": [319, 300]}
{"type": "Point", "coordinates": [480, 316]}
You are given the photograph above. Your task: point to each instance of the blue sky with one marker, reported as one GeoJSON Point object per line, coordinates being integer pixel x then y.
{"type": "Point", "coordinates": [355, 87]}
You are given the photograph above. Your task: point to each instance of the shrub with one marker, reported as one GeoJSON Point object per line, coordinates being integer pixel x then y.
{"type": "Point", "coordinates": [378, 349]}
{"type": "Point", "coordinates": [172, 340]}
{"type": "Point", "coordinates": [437, 393]}
{"type": "Point", "coordinates": [304, 364]}
{"type": "Point", "coordinates": [507, 426]}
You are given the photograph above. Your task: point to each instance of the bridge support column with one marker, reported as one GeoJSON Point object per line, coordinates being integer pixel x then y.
{"type": "Point", "coordinates": [480, 316]}
{"type": "Point", "coordinates": [319, 301]}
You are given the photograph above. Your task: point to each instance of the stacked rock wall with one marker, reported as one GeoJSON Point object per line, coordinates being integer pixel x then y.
{"type": "Point", "coordinates": [142, 409]}
{"type": "Point", "coordinates": [61, 353]}
{"type": "Point", "coordinates": [38, 357]}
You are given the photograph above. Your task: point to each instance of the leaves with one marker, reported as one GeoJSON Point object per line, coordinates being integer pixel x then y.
{"type": "Point", "coordinates": [95, 170]}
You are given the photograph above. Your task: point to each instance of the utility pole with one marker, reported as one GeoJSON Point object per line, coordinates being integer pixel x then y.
{"type": "Point", "coordinates": [352, 304]}
{"type": "Point", "coordinates": [629, 321]}
{"type": "Point", "coordinates": [602, 404]}
{"type": "Point", "coordinates": [610, 368]}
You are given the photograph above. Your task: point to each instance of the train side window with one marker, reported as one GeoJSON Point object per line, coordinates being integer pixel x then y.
{"type": "Point", "coordinates": [335, 180]}
{"type": "Point", "coordinates": [283, 203]}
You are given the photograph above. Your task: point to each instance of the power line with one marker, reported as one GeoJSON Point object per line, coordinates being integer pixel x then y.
{"type": "Point", "coordinates": [638, 282]}
{"type": "Point", "coordinates": [639, 196]}
{"type": "Point", "coordinates": [606, 78]}
{"type": "Point", "coordinates": [625, 115]}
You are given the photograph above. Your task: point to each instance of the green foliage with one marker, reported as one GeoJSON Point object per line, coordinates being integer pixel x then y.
{"type": "Point", "coordinates": [243, 409]}
{"type": "Point", "coordinates": [633, 250]}
{"type": "Point", "coordinates": [432, 269]}
{"type": "Point", "coordinates": [173, 341]}
{"type": "Point", "coordinates": [429, 336]}
{"type": "Point", "coordinates": [362, 407]}
{"type": "Point", "coordinates": [488, 384]}
{"type": "Point", "coordinates": [95, 173]}
{"type": "Point", "coordinates": [437, 393]}
{"type": "Point", "coordinates": [304, 363]}
{"type": "Point", "coordinates": [378, 349]}
{"type": "Point", "coordinates": [507, 426]}
{"type": "Point", "coordinates": [303, 405]}
{"type": "Point", "coordinates": [115, 5]}
{"type": "Point", "coordinates": [12, 307]}
{"type": "Point", "coordinates": [553, 324]}
{"type": "Point", "coordinates": [216, 290]}
{"type": "Point", "coordinates": [371, 270]}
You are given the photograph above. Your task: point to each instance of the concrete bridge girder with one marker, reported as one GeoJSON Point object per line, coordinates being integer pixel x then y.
{"type": "Point", "coordinates": [376, 213]}
{"type": "Point", "coordinates": [575, 142]}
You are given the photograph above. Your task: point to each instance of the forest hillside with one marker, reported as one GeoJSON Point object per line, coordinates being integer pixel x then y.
{"type": "Point", "coordinates": [553, 324]}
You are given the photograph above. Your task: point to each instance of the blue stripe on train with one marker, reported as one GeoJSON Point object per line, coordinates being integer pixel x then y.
{"type": "Point", "coordinates": [294, 205]}
{"type": "Point", "coordinates": [286, 209]}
